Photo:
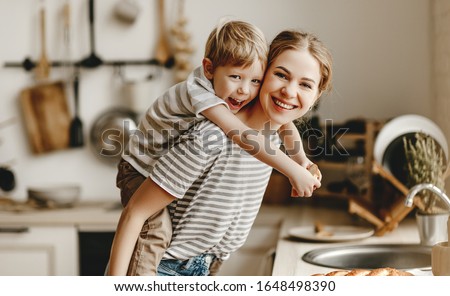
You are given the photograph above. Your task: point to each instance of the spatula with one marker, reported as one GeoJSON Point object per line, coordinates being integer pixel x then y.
{"type": "Point", "coordinates": [92, 61]}
{"type": "Point", "coordinates": [76, 138]}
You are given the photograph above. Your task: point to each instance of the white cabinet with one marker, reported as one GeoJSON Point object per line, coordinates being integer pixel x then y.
{"type": "Point", "coordinates": [256, 256]}
{"type": "Point", "coordinates": [38, 250]}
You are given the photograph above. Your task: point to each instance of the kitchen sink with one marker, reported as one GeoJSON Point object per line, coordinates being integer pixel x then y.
{"type": "Point", "coordinates": [400, 256]}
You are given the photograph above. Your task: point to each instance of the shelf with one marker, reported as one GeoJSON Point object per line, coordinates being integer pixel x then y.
{"type": "Point", "coordinates": [326, 164]}
{"type": "Point", "coordinates": [359, 205]}
{"type": "Point", "coordinates": [323, 192]}
{"type": "Point", "coordinates": [351, 136]}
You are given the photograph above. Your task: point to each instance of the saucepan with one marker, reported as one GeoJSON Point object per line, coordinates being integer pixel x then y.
{"type": "Point", "coordinates": [111, 131]}
{"type": "Point", "coordinates": [7, 179]}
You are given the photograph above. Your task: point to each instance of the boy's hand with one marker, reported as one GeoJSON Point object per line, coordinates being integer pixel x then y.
{"type": "Point", "coordinates": [304, 182]}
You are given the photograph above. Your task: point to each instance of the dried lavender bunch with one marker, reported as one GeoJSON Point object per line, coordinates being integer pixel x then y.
{"type": "Point", "coordinates": [426, 164]}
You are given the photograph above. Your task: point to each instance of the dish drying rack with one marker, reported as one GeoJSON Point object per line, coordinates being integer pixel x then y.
{"type": "Point", "coordinates": [384, 220]}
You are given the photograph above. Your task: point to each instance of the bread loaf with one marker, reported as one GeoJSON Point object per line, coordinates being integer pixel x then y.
{"type": "Point", "coordinates": [385, 271]}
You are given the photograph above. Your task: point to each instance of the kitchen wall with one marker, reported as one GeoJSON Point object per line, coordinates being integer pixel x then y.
{"type": "Point", "coordinates": [441, 65]}
{"type": "Point", "coordinates": [382, 51]}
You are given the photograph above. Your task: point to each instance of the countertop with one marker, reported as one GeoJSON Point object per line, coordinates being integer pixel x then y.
{"type": "Point", "coordinates": [103, 216]}
{"type": "Point", "coordinates": [87, 215]}
{"type": "Point", "coordinates": [289, 252]}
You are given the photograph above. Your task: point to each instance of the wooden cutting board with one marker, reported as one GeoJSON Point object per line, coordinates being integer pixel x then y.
{"type": "Point", "coordinates": [46, 116]}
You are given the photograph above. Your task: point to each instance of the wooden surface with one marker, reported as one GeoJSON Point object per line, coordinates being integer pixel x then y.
{"type": "Point", "coordinates": [46, 116]}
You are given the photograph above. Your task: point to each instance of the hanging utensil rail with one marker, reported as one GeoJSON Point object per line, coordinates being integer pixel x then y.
{"type": "Point", "coordinates": [28, 64]}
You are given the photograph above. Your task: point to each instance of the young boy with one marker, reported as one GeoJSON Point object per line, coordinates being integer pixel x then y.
{"type": "Point", "coordinates": [230, 77]}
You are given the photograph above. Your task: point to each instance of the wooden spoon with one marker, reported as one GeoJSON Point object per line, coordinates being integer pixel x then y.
{"type": "Point", "coordinates": [162, 52]}
{"type": "Point", "coordinates": [42, 70]}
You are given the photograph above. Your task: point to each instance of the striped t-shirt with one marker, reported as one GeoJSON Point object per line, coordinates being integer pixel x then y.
{"type": "Point", "coordinates": [219, 189]}
{"type": "Point", "coordinates": [171, 115]}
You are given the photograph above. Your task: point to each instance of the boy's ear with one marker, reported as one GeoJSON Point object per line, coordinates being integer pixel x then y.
{"type": "Point", "coordinates": [208, 68]}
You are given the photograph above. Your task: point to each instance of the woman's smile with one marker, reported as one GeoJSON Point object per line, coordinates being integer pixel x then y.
{"type": "Point", "coordinates": [283, 105]}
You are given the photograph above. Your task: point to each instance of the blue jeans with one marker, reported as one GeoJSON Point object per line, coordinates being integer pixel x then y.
{"type": "Point", "coordinates": [196, 266]}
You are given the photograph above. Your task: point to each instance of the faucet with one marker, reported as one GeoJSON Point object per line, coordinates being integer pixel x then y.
{"type": "Point", "coordinates": [415, 189]}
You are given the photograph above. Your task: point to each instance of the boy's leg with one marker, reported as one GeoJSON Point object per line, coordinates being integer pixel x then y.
{"type": "Point", "coordinates": [215, 267]}
{"type": "Point", "coordinates": [153, 241]}
{"type": "Point", "coordinates": [156, 232]}
{"type": "Point", "coordinates": [128, 181]}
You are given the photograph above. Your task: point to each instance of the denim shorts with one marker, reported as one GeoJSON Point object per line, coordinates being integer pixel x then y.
{"type": "Point", "coordinates": [196, 266]}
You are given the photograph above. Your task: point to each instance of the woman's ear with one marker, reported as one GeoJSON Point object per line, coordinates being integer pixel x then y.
{"type": "Point", "coordinates": [208, 68]}
{"type": "Point", "coordinates": [319, 94]}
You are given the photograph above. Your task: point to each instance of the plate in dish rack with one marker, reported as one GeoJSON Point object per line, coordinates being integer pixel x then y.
{"type": "Point", "coordinates": [336, 233]}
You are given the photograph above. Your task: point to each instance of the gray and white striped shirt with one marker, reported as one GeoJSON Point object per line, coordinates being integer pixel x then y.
{"type": "Point", "coordinates": [171, 115]}
{"type": "Point", "coordinates": [219, 189]}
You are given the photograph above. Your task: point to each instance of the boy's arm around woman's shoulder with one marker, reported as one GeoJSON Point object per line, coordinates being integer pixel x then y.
{"type": "Point", "coordinates": [264, 150]}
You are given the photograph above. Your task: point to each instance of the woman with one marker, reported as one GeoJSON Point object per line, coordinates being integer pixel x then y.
{"type": "Point", "coordinates": [212, 187]}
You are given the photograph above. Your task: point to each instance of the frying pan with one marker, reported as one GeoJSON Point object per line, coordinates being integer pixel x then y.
{"type": "Point", "coordinates": [110, 133]}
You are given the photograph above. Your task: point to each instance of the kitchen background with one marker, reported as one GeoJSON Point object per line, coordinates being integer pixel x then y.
{"type": "Point", "coordinates": [391, 58]}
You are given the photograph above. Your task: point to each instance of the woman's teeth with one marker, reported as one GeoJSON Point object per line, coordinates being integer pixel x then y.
{"type": "Point", "coordinates": [284, 105]}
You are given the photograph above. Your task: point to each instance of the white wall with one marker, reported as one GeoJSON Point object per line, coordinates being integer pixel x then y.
{"type": "Point", "coordinates": [441, 66]}
{"type": "Point", "coordinates": [381, 50]}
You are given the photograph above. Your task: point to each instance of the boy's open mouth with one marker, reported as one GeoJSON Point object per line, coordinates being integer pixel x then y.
{"type": "Point", "coordinates": [235, 103]}
{"type": "Point", "coordinates": [283, 105]}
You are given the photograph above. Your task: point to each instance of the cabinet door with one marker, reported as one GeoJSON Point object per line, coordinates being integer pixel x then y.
{"type": "Point", "coordinates": [33, 251]}
{"type": "Point", "coordinates": [255, 257]}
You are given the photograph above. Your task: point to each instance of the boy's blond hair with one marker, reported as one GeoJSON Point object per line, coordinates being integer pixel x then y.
{"type": "Point", "coordinates": [236, 43]}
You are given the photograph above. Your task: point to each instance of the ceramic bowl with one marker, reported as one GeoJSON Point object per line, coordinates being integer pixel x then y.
{"type": "Point", "coordinates": [58, 194]}
{"type": "Point", "coordinates": [389, 149]}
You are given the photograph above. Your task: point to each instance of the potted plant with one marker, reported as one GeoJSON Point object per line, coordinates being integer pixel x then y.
{"type": "Point", "coordinates": [426, 163]}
